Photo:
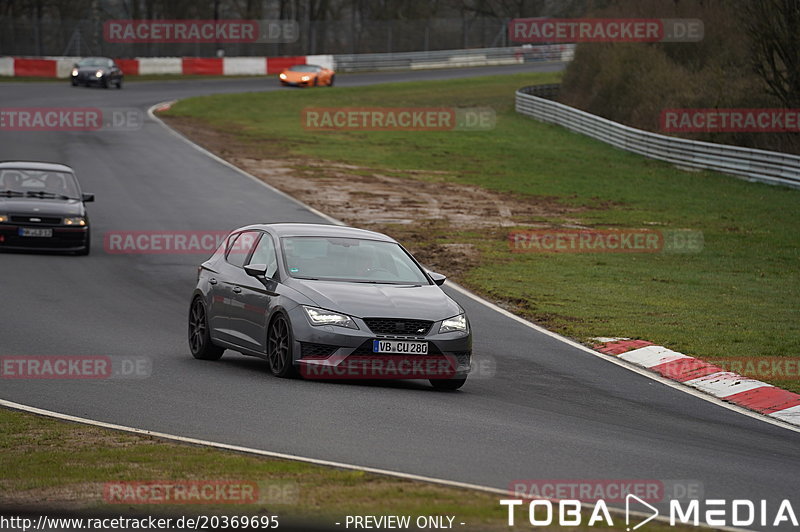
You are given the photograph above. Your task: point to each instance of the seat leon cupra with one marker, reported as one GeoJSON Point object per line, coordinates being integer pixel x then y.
{"type": "Point", "coordinates": [328, 302]}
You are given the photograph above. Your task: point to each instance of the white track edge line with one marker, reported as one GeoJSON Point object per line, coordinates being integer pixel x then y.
{"type": "Point", "coordinates": [315, 461]}
{"type": "Point", "coordinates": [610, 358]}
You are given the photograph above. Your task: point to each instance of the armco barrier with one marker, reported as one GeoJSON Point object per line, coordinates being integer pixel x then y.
{"type": "Point", "coordinates": [454, 58]}
{"type": "Point", "coordinates": [755, 165]}
{"type": "Point", "coordinates": [201, 66]}
{"type": "Point", "coordinates": [49, 67]}
{"type": "Point", "coordinates": [44, 68]}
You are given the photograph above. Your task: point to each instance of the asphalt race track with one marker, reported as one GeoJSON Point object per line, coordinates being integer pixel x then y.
{"type": "Point", "coordinates": [551, 411]}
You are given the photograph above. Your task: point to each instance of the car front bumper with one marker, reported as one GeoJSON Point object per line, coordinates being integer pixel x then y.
{"type": "Point", "coordinates": [63, 239]}
{"type": "Point", "coordinates": [331, 347]}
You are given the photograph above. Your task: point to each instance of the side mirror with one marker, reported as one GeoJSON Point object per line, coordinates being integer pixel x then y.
{"type": "Point", "coordinates": [87, 198]}
{"type": "Point", "coordinates": [256, 270]}
{"type": "Point", "coordinates": [438, 278]}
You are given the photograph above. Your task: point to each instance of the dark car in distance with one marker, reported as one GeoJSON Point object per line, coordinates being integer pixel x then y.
{"type": "Point", "coordinates": [42, 208]}
{"type": "Point", "coordinates": [100, 71]}
{"type": "Point", "coordinates": [314, 298]}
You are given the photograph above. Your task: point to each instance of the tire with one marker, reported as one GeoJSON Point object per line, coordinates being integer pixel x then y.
{"type": "Point", "coordinates": [448, 384]}
{"type": "Point", "coordinates": [74, 83]}
{"type": "Point", "coordinates": [280, 342]}
{"type": "Point", "coordinates": [200, 343]}
{"type": "Point", "coordinates": [119, 83]}
{"type": "Point", "coordinates": [104, 83]}
{"type": "Point", "coordinates": [330, 83]}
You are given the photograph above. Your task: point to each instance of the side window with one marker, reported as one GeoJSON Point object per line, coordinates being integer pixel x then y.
{"type": "Point", "coordinates": [239, 247]}
{"type": "Point", "coordinates": [265, 254]}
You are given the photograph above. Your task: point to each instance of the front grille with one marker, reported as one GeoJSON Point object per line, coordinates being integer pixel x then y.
{"type": "Point", "coordinates": [309, 350]}
{"type": "Point", "coordinates": [395, 326]}
{"type": "Point", "coordinates": [35, 220]}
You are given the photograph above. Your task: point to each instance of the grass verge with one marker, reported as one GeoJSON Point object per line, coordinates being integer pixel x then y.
{"type": "Point", "coordinates": [50, 465]}
{"type": "Point", "coordinates": [735, 298]}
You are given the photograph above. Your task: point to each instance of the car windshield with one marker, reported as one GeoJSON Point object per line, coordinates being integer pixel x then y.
{"type": "Point", "coordinates": [304, 68]}
{"type": "Point", "coordinates": [42, 183]}
{"type": "Point", "coordinates": [350, 260]}
{"type": "Point", "coordinates": [94, 62]}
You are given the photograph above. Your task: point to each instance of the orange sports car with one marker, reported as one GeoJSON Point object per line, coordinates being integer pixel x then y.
{"type": "Point", "coordinates": [307, 76]}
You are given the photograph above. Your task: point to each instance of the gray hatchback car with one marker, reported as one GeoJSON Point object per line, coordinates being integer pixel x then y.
{"type": "Point", "coordinates": [328, 302]}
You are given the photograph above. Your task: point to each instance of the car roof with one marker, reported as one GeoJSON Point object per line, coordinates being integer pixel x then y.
{"type": "Point", "coordinates": [33, 165]}
{"type": "Point", "coordinates": [325, 230]}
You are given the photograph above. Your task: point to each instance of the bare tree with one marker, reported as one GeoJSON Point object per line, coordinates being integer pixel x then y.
{"type": "Point", "coordinates": [774, 30]}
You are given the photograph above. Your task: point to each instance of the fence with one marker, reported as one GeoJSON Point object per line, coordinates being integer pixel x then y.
{"type": "Point", "coordinates": [755, 165]}
{"type": "Point", "coordinates": [24, 36]}
{"type": "Point", "coordinates": [454, 58]}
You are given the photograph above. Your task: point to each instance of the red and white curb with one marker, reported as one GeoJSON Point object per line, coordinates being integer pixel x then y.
{"type": "Point", "coordinates": [731, 387]}
{"type": "Point", "coordinates": [60, 67]}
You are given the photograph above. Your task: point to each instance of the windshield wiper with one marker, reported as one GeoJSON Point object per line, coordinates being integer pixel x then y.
{"type": "Point", "coordinates": [11, 193]}
{"type": "Point", "coordinates": [48, 195]}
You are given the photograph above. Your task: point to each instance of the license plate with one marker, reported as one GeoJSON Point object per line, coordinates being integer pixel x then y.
{"type": "Point", "coordinates": [45, 232]}
{"type": "Point", "coordinates": [400, 347]}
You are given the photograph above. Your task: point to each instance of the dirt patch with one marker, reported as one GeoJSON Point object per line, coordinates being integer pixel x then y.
{"type": "Point", "coordinates": [429, 212]}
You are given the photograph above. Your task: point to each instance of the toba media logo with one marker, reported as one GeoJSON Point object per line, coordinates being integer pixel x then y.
{"type": "Point", "coordinates": [711, 512]}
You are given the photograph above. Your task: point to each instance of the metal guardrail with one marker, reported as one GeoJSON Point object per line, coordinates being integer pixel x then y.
{"type": "Point", "coordinates": [453, 58]}
{"type": "Point", "coordinates": [755, 165]}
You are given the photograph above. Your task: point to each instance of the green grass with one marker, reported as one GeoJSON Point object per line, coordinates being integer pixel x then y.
{"type": "Point", "coordinates": [737, 298]}
{"type": "Point", "coordinates": [54, 464]}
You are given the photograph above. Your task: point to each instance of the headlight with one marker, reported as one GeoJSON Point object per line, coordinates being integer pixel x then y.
{"type": "Point", "coordinates": [318, 316]}
{"type": "Point", "coordinates": [306, 78]}
{"type": "Point", "coordinates": [282, 76]}
{"type": "Point", "coordinates": [75, 220]}
{"type": "Point", "coordinates": [98, 74]}
{"type": "Point", "coordinates": [3, 218]}
{"type": "Point", "coordinates": [456, 323]}
{"type": "Point", "coordinates": [74, 72]}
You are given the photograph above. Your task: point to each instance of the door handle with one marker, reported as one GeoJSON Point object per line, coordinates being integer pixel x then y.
{"type": "Point", "coordinates": [237, 290]}
{"type": "Point", "coordinates": [213, 280]}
